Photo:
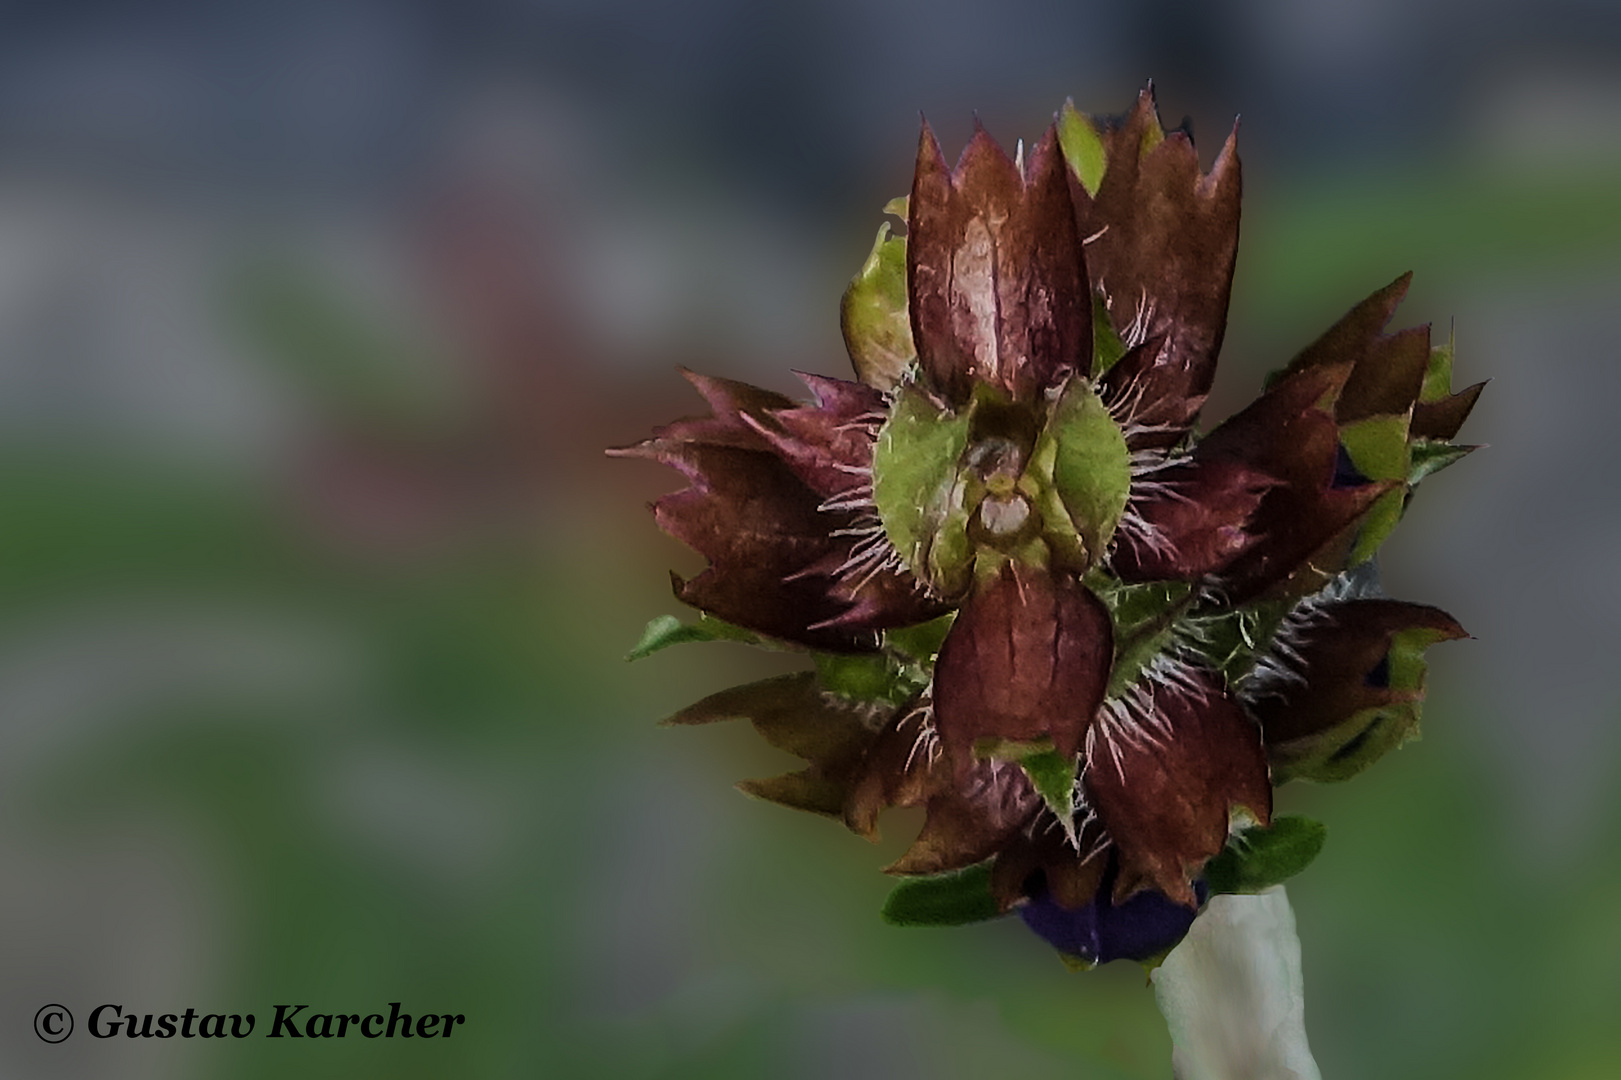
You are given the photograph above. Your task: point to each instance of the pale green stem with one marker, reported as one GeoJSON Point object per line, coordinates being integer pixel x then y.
{"type": "Point", "coordinates": [1232, 993]}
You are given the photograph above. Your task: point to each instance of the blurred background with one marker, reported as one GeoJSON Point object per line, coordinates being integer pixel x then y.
{"type": "Point", "coordinates": [315, 586]}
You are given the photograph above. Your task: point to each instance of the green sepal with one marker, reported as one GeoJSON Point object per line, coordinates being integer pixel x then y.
{"type": "Point", "coordinates": [1378, 448]}
{"type": "Point", "coordinates": [1053, 776]}
{"type": "Point", "coordinates": [1406, 657]}
{"type": "Point", "coordinates": [873, 314]}
{"type": "Point", "coordinates": [1438, 373]}
{"type": "Point", "coordinates": [915, 488]}
{"type": "Point", "coordinates": [1064, 543]}
{"type": "Point", "coordinates": [1107, 348]}
{"type": "Point", "coordinates": [1090, 466]}
{"type": "Point", "coordinates": [1231, 641]}
{"type": "Point", "coordinates": [1260, 857]}
{"type": "Point", "coordinates": [1430, 456]}
{"type": "Point", "coordinates": [921, 642]}
{"type": "Point", "coordinates": [943, 899]}
{"type": "Point", "coordinates": [870, 677]}
{"type": "Point", "coordinates": [1347, 748]}
{"type": "Point", "coordinates": [1083, 148]}
{"type": "Point", "coordinates": [1050, 773]}
{"type": "Point", "coordinates": [1144, 624]}
{"type": "Point", "coordinates": [667, 630]}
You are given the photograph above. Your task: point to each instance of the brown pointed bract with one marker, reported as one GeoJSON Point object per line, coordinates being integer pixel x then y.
{"type": "Point", "coordinates": [758, 526]}
{"type": "Point", "coordinates": [897, 769]}
{"type": "Point", "coordinates": [761, 468]}
{"type": "Point", "coordinates": [1070, 870]}
{"type": "Point", "coordinates": [966, 820]}
{"type": "Point", "coordinates": [994, 270]}
{"type": "Point", "coordinates": [1198, 515]}
{"type": "Point", "coordinates": [1028, 658]}
{"type": "Point", "coordinates": [1285, 434]}
{"type": "Point", "coordinates": [967, 823]}
{"type": "Point", "coordinates": [828, 442]}
{"type": "Point", "coordinates": [792, 713]}
{"type": "Point", "coordinates": [1440, 420]}
{"type": "Point", "coordinates": [1164, 788]}
{"type": "Point", "coordinates": [1386, 371]}
{"type": "Point", "coordinates": [1161, 242]}
{"type": "Point", "coordinates": [1339, 656]}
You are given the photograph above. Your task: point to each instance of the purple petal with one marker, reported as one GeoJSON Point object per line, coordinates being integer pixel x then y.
{"type": "Point", "coordinates": [1144, 926]}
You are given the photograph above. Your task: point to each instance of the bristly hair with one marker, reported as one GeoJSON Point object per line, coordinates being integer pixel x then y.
{"type": "Point", "coordinates": [1279, 666]}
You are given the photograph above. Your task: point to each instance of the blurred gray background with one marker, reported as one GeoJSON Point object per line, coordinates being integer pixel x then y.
{"type": "Point", "coordinates": [314, 320]}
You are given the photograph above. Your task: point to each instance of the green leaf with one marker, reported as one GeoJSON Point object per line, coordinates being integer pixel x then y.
{"type": "Point", "coordinates": [667, 630]}
{"type": "Point", "coordinates": [873, 314]}
{"type": "Point", "coordinates": [943, 900]}
{"type": "Point", "coordinates": [1378, 448]}
{"type": "Point", "coordinates": [1259, 858]}
{"type": "Point", "coordinates": [1107, 348]}
{"type": "Point", "coordinates": [914, 473]}
{"type": "Point", "coordinates": [1083, 146]}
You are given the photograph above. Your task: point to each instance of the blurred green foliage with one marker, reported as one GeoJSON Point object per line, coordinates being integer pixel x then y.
{"type": "Point", "coordinates": [469, 807]}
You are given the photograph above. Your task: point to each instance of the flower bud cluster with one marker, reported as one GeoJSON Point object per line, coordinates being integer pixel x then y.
{"type": "Point", "coordinates": [1085, 638]}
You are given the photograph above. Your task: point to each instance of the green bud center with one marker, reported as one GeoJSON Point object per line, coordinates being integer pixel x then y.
{"type": "Point", "coordinates": [1004, 516]}
{"type": "Point", "coordinates": [1042, 483]}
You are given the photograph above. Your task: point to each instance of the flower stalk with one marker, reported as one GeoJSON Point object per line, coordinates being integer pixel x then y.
{"type": "Point", "coordinates": [1233, 995]}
